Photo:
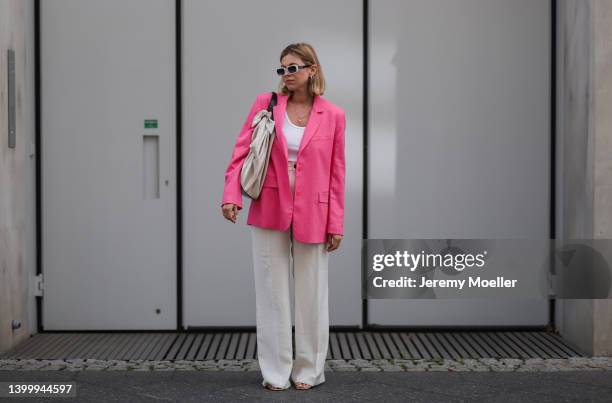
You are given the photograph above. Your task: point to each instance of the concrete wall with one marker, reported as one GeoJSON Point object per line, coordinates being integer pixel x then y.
{"type": "Point", "coordinates": [584, 170]}
{"type": "Point", "coordinates": [17, 176]}
{"type": "Point", "coordinates": [602, 127]}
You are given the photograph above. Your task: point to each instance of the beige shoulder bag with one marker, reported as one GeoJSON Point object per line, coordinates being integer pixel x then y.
{"type": "Point", "coordinates": [255, 164]}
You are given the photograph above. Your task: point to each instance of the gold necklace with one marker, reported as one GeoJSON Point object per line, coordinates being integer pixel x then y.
{"type": "Point", "coordinates": [301, 119]}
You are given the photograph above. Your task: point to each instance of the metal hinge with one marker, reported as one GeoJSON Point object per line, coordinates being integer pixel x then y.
{"type": "Point", "coordinates": [38, 285]}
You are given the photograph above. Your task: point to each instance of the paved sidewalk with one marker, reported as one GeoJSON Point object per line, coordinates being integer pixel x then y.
{"type": "Point", "coordinates": [199, 386]}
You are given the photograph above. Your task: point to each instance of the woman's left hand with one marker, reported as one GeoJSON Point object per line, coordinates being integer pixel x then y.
{"type": "Point", "coordinates": [333, 241]}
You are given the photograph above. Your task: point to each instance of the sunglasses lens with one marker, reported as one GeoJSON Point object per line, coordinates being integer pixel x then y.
{"type": "Point", "coordinates": [292, 69]}
{"type": "Point", "coordinates": [280, 71]}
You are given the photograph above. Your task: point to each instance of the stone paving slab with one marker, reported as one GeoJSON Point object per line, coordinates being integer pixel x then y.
{"type": "Point", "coordinates": [355, 365]}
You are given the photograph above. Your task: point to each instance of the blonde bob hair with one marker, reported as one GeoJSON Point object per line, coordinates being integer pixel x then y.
{"type": "Point", "coordinates": [316, 85]}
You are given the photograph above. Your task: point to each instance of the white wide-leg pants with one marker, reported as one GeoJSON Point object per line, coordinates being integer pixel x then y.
{"type": "Point", "coordinates": [275, 253]}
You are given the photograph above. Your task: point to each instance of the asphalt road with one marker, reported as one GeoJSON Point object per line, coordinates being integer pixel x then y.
{"type": "Point", "coordinates": [595, 386]}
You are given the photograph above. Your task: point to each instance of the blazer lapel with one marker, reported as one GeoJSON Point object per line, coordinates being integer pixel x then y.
{"type": "Point", "coordinates": [313, 123]}
{"type": "Point", "coordinates": [279, 117]}
{"type": "Point", "coordinates": [311, 127]}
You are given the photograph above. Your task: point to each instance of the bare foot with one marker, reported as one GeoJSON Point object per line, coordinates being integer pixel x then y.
{"type": "Point", "coordinates": [302, 386]}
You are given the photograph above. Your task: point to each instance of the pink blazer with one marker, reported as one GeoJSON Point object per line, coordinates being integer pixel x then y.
{"type": "Point", "coordinates": [318, 206]}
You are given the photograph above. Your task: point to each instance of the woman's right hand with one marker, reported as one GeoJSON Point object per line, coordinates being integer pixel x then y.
{"type": "Point", "coordinates": [230, 211]}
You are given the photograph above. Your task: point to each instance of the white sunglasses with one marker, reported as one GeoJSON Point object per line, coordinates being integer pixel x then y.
{"type": "Point", "coordinates": [292, 69]}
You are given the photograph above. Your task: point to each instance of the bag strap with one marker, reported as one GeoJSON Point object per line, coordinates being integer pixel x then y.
{"type": "Point", "coordinates": [272, 104]}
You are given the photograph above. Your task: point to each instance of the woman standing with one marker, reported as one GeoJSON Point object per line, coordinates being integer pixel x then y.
{"type": "Point", "coordinates": [296, 221]}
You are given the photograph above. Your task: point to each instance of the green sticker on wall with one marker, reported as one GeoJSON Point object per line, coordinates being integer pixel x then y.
{"type": "Point", "coordinates": [150, 123]}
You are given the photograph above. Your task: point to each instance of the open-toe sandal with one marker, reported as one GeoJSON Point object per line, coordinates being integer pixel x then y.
{"type": "Point", "coordinates": [302, 386]}
{"type": "Point", "coordinates": [274, 388]}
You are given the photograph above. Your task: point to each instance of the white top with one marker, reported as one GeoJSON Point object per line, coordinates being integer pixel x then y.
{"type": "Point", "coordinates": [293, 134]}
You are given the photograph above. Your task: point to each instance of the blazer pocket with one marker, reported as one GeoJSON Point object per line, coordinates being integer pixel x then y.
{"type": "Point", "coordinates": [324, 197]}
{"type": "Point", "coordinates": [324, 137]}
{"type": "Point", "coordinates": [270, 181]}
